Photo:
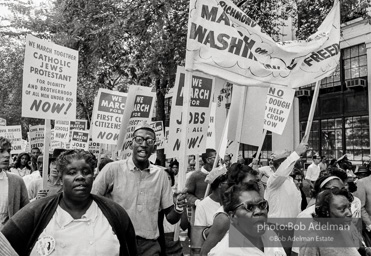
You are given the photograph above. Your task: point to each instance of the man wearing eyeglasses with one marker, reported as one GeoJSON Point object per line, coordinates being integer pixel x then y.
{"type": "Point", "coordinates": [142, 189]}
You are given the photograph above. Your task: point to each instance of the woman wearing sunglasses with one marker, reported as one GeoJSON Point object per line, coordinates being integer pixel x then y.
{"type": "Point", "coordinates": [333, 209]}
{"type": "Point", "coordinates": [248, 212]}
{"type": "Point", "coordinates": [238, 174]}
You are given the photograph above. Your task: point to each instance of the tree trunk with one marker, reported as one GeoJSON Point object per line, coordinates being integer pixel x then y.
{"type": "Point", "coordinates": [160, 112]}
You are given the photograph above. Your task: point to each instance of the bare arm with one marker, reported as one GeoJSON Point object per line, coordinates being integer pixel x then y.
{"type": "Point", "coordinates": [216, 233]}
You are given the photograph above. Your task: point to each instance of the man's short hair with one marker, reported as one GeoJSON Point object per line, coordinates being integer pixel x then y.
{"type": "Point", "coordinates": [144, 126]}
{"type": "Point", "coordinates": [207, 154]}
{"type": "Point", "coordinates": [4, 142]}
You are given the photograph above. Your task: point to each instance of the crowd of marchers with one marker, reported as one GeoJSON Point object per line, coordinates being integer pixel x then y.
{"type": "Point", "coordinates": [133, 206]}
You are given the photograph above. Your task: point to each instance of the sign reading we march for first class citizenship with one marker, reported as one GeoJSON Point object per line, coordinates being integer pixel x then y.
{"type": "Point", "coordinates": [107, 113]}
{"type": "Point", "coordinates": [49, 80]}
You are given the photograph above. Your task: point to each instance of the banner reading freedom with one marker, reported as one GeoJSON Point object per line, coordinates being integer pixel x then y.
{"type": "Point", "coordinates": [49, 80]}
{"type": "Point", "coordinates": [224, 42]}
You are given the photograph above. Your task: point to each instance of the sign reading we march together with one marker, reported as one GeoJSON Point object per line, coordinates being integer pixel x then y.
{"type": "Point", "coordinates": [49, 80]}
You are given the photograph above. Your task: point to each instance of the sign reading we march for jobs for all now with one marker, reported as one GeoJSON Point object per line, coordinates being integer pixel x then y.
{"type": "Point", "coordinates": [277, 108]}
{"type": "Point", "coordinates": [198, 117]}
{"type": "Point", "coordinates": [49, 80]}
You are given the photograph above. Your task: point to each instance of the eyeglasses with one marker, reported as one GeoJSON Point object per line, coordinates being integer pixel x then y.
{"type": "Point", "coordinates": [140, 139]}
{"type": "Point", "coordinates": [299, 180]}
{"type": "Point", "coordinates": [250, 207]}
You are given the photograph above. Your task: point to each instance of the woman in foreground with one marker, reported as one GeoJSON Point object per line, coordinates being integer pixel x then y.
{"type": "Point", "coordinates": [73, 222]}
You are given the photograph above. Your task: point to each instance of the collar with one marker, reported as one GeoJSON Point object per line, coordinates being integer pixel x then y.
{"type": "Point", "coordinates": [3, 175]}
{"type": "Point", "coordinates": [131, 166]}
{"type": "Point", "coordinates": [63, 218]}
{"type": "Point", "coordinates": [203, 170]}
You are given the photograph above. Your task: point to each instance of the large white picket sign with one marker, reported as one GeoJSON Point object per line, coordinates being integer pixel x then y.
{"type": "Point", "coordinates": [14, 134]}
{"type": "Point", "coordinates": [107, 113]}
{"type": "Point", "coordinates": [62, 131]}
{"type": "Point", "coordinates": [49, 80]}
{"type": "Point", "coordinates": [277, 108]}
{"type": "Point", "coordinates": [202, 89]}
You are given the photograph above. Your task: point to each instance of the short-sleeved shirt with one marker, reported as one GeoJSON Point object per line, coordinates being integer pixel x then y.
{"type": "Point", "coordinates": [205, 212]}
{"type": "Point", "coordinates": [90, 235]}
{"type": "Point", "coordinates": [142, 193]}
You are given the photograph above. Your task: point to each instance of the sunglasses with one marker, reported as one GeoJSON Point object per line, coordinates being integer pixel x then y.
{"type": "Point", "coordinates": [250, 207]}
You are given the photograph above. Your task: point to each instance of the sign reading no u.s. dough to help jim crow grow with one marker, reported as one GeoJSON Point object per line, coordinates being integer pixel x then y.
{"type": "Point", "coordinates": [49, 80]}
{"type": "Point", "coordinates": [277, 108]}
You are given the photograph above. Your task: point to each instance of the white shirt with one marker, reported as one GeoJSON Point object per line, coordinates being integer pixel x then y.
{"type": "Point", "coordinates": [30, 177]}
{"type": "Point", "coordinates": [312, 172]}
{"type": "Point", "coordinates": [90, 235]}
{"type": "Point", "coordinates": [205, 212]}
{"type": "Point", "coordinates": [283, 196]}
{"type": "Point", "coordinates": [242, 246]}
{"type": "Point", "coordinates": [3, 198]}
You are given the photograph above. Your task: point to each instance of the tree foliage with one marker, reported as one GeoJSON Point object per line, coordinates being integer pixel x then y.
{"type": "Point", "coordinates": [122, 43]}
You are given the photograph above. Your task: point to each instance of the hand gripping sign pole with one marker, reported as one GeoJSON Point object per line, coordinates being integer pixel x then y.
{"type": "Point", "coordinates": [221, 150]}
{"type": "Point", "coordinates": [46, 153]}
{"type": "Point", "coordinates": [311, 113]}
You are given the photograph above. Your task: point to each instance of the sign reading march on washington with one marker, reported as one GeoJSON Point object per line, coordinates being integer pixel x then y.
{"type": "Point", "coordinates": [14, 134]}
{"type": "Point", "coordinates": [224, 42]}
{"type": "Point", "coordinates": [277, 108]}
{"type": "Point", "coordinates": [138, 110]}
{"type": "Point", "coordinates": [49, 80]}
{"type": "Point", "coordinates": [198, 117]}
{"type": "Point", "coordinates": [107, 113]}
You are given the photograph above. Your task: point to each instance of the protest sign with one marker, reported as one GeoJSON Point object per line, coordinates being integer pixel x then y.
{"type": "Point", "coordinates": [94, 148]}
{"type": "Point", "coordinates": [211, 139]}
{"type": "Point", "coordinates": [2, 122]}
{"type": "Point", "coordinates": [247, 108]}
{"type": "Point", "coordinates": [199, 113]}
{"type": "Point", "coordinates": [159, 131]}
{"type": "Point", "coordinates": [277, 109]}
{"type": "Point", "coordinates": [106, 118]}
{"type": "Point", "coordinates": [62, 131]}
{"type": "Point", "coordinates": [37, 137]}
{"type": "Point", "coordinates": [80, 140]}
{"type": "Point", "coordinates": [164, 142]}
{"type": "Point", "coordinates": [49, 80]}
{"type": "Point", "coordinates": [78, 124]}
{"type": "Point", "coordinates": [55, 144]}
{"type": "Point", "coordinates": [224, 42]}
{"type": "Point", "coordinates": [14, 134]}
{"type": "Point", "coordinates": [138, 110]}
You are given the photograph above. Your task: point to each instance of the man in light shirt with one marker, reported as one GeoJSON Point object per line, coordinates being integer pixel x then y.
{"type": "Point", "coordinates": [142, 189]}
{"type": "Point", "coordinates": [313, 169]}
